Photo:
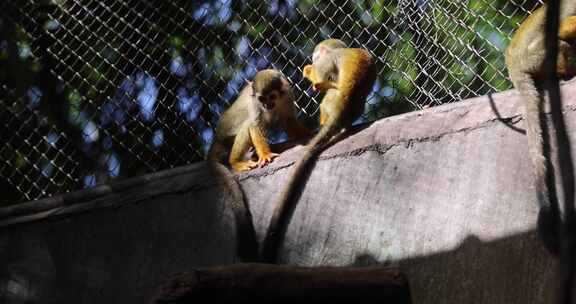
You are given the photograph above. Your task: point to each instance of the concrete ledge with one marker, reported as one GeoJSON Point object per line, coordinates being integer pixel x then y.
{"type": "Point", "coordinates": [444, 193]}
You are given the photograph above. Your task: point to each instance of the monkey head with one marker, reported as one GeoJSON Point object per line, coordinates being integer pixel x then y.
{"type": "Point", "coordinates": [322, 72]}
{"type": "Point", "coordinates": [325, 47]}
{"type": "Point", "coordinates": [268, 87]}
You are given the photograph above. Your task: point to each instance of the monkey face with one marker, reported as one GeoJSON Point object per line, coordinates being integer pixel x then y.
{"type": "Point", "coordinates": [269, 99]}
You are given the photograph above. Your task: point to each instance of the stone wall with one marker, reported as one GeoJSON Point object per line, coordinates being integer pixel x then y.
{"type": "Point", "coordinates": [444, 193]}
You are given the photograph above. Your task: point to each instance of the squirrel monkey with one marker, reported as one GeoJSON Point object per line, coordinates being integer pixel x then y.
{"type": "Point", "coordinates": [264, 103]}
{"type": "Point", "coordinates": [525, 61]}
{"type": "Point", "coordinates": [347, 76]}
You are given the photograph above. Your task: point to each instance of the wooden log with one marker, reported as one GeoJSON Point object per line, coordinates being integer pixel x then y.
{"type": "Point", "coordinates": [254, 283]}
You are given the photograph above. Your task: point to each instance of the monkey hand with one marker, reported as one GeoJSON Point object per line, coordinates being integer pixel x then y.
{"type": "Point", "coordinates": [317, 84]}
{"type": "Point", "coordinates": [308, 71]}
{"type": "Point", "coordinates": [244, 165]}
{"type": "Point", "coordinates": [324, 86]}
{"type": "Point", "coordinates": [267, 158]}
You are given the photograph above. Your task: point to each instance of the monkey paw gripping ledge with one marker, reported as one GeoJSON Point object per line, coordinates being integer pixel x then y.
{"type": "Point", "coordinates": [444, 195]}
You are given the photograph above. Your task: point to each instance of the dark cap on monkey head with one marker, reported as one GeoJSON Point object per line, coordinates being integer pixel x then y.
{"type": "Point", "coordinates": [267, 80]}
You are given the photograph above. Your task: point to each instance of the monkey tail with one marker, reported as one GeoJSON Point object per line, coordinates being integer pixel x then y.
{"type": "Point", "coordinates": [246, 244]}
{"type": "Point", "coordinates": [539, 149]}
{"type": "Point", "coordinates": [287, 202]}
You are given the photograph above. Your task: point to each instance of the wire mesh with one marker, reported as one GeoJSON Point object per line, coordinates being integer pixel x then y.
{"type": "Point", "coordinates": [98, 90]}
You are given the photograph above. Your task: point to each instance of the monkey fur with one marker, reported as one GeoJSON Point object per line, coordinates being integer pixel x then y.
{"type": "Point", "coordinates": [265, 102]}
{"type": "Point", "coordinates": [525, 58]}
{"type": "Point", "coordinates": [347, 76]}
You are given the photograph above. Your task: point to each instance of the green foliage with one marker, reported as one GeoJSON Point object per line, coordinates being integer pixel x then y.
{"type": "Point", "coordinates": [198, 55]}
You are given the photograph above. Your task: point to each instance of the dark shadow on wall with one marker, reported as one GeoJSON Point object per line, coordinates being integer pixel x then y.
{"type": "Point", "coordinates": [515, 269]}
{"type": "Point", "coordinates": [119, 253]}
{"type": "Point", "coordinates": [121, 256]}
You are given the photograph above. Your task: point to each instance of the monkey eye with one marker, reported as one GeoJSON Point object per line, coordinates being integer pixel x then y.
{"type": "Point", "coordinates": [272, 96]}
{"type": "Point", "coordinates": [262, 99]}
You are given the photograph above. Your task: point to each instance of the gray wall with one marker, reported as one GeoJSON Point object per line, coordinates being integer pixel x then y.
{"type": "Point", "coordinates": [119, 253]}
{"type": "Point", "coordinates": [445, 194]}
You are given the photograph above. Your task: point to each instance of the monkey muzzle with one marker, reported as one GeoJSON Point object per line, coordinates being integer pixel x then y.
{"type": "Point", "coordinates": [267, 103]}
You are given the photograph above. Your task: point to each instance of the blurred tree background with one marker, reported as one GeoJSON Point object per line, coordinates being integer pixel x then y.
{"type": "Point", "coordinates": [97, 90]}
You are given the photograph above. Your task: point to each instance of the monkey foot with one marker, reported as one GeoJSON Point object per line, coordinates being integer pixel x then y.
{"type": "Point", "coordinates": [244, 165]}
{"type": "Point", "coordinates": [266, 159]}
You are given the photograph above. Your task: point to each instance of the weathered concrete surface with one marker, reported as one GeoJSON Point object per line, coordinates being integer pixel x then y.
{"type": "Point", "coordinates": [118, 248]}
{"type": "Point", "coordinates": [443, 193]}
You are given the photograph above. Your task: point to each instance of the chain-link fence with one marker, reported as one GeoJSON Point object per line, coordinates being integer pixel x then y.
{"type": "Point", "coordinates": [93, 90]}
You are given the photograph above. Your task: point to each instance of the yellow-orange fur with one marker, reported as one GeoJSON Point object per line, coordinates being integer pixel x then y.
{"type": "Point", "coordinates": [246, 123]}
{"type": "Point", "coordinates": [347, 76]}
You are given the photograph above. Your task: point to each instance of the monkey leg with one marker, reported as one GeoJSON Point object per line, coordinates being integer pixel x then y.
{"type": "Point", "coordinates": [323, 116]}
{"type": "Point", "coordinates": [295, 129]}
{"type": "Point", "coordinates": [330, 106]}
{"type": "Point", "coordinates": [567, 29]}
{"type": "Point", "coordinates": [260, 143]}
{"type": "Point", "coordinates": [239, 148]}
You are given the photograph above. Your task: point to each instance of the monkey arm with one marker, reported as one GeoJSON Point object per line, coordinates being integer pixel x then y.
{"type": "Point", "coordinates": [239, 149]}
{"type": "Point", "coordinates": [308, 73]}
{"type": "Point", "coordinates": [318, 84]}
{"type": "Point", "coordinates": [567, 30]}
{"type": "Point", "coordinates": [325, 86]}
{"type": "Point", "coordinates": [260, 142]}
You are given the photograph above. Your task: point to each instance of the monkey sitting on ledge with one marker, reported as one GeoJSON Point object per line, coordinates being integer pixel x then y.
{"type": "Point", "coordinates": [267, 101]}
{"type": "Point", "coordinates": [525, 57]}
